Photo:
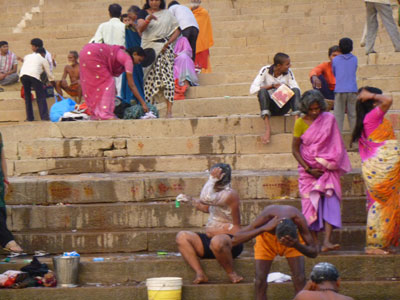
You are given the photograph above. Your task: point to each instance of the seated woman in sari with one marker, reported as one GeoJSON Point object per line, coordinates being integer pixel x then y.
{"type": "Point", "coordinates": [100, 63]}
{"type": "Point", "coordinates": [159, 30]}
{"type": "Point", "coordinates": [380, 156]}
{"type": "Point", "coordinates": [318, 147]}
{"type": "Point", "coordinates": [133, 39]}
{"type": "Point", "coordinates": [184, 71]}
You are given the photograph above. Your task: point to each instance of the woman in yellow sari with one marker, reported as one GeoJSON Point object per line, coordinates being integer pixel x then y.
{"type": "Point", "coordinates": [380, 155]}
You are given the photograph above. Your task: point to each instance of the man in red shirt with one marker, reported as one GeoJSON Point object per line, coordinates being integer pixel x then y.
{"type": "Point", "coordinates": [322, 77]}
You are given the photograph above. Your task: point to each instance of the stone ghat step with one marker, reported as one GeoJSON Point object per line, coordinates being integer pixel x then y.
{"type": "Point", "coordinates": [359, 290]}
{"type": "Point", "coordinates": [14, 109]}
{"type": "Point", "coordinates": [350, 237]}
{"type": "Point", "coordinates": [87, 18]}
{"type": "Point", "coordinates": [156, 128]}
{"type": "Point", "coordinates": [236, 29]}
{"type": "Point", "coordinates": [79, 8]}
{"type": "Point", "coordinates": [387, 84]}
{"type": "Point", "coordinates": [47, 148]}
{"type": "Point", "coordinates": [174, 127]}
{"type": "Point", "coordinates": [120, 269]}
{"type": "Point", "coordinates": [219, 10]}
{"type": "Point", "coordinates": [131, 187]}
{"type": "Point", "coordinates": [121, 216]}
{"type": "Point", "coordinates": [170, 163]}
{"type": "Point", "coordinates": [220, 77]}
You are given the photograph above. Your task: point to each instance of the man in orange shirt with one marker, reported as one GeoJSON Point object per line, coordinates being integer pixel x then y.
{"type": "Point", "coordinates": [322, 77]}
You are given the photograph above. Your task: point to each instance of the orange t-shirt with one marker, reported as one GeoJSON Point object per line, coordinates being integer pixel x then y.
{"type": "Point", "coordinates": [325, 69]}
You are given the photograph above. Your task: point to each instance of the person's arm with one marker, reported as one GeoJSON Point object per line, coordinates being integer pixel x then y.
{"type": "Point", "coordinates": [98, 36]}
{"type": "Point", "coordinates": [172, 39]}
{"type": "Point", "coordinates": [4, 168]}
{"type": "Point", "coordinates": [144, 22]}
{"type": "Point", "coordinates": [233, 201]}
{"type": "Point", "coordinates": [256, 85]}
{"type": "Point", "coordinates": [64, 76]}
{"type": "Point", "coordinates": [196, 202]}
{"type": "Point", "coordinates": [46, 68]}
{"type": "Point", "coordinates": [296, 142]}
{"type": "Point", "coordinates": [261, 224]}
{"type": "Point", "coordinates": [292, 80]}
{"type": "Point", "coordinates": [317, 71]}
{"type": "Point", "coordinates": [334, 66]}
{"type": "Point", "coordinates": [384, 102]}
{"type": "Point", "coordinates": [309, 249]}
{"type": "Point", "coordinates": [133, 88]}
{"type": "Point", "coordinates": [13, 70]}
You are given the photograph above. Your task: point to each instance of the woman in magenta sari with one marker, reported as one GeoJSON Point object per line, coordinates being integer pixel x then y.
{"type": "Point", "coordinates": [319, 149]}
{"type": "Point", "coordinates": [380, 155]}
{"type": "Point", "coordinates": [100, 63]}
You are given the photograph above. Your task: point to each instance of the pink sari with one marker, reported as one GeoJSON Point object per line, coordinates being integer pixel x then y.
{"type": "Point", "coordinates": [99, 64]}
{"type": "Point", "coordinates": [322, 147]}
{"type": "Point", "coordinates": [184, 65]}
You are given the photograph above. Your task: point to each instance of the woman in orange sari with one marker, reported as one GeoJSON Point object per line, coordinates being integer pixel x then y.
{"type": "Point", "coordinates": [380, 155]}
{"type": "Point", "coordinates": [205, 38]}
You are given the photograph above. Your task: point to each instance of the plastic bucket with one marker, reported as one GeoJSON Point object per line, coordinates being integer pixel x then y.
{"type": "Point", "coordinates": [164, 288]}
{"type": "Point", "coordinates": [66, 269]}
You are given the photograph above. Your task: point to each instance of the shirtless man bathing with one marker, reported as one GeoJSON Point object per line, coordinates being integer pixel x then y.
{"type": "Point", "coordinates": [323, 285]}
{"type": "Point", "coordinates": [222, 202]}
{"type": "Point", "coordinates": [71, 70]}
{"type": "Point", "coordinates": [279, 230]}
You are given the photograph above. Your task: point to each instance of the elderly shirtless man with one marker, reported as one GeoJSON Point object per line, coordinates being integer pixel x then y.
{"type": "Point", "coordinates": [71, 70]}
{"type": "Point", "coordinates": [222, 202]}
{"type": "Point", "coordinates": [280, 230]}
{"type": "Point", "coordinates": [323, 285]}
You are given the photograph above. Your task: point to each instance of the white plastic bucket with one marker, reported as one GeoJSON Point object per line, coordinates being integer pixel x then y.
{"type": "Point", "coordinates": [164, 288]}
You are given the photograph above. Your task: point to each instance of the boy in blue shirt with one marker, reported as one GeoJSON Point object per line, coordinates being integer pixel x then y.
{"type": "Point", "coordinates": [344, 68]}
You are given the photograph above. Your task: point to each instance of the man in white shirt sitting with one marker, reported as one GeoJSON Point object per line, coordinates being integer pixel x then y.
{"type": "Point", "coordinates": [112, 33]}
{"type": "Point", "coordinates": [384, 9]}
{"type": "Point", "coordinates": [270, 78]}
{"type": "Point", "coordinates": [8, 65]}
{"type": "Point", "coordinates": [187, 23]}
{"type": "Point", "coordinates": [33, 66]}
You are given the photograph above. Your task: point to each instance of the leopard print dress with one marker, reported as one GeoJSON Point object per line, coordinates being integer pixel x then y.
{"type": "Point", "coordinates": [161, 77]}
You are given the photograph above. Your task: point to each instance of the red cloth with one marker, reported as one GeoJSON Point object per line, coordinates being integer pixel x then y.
{"type": "Point", "coordinates": [201, 60]}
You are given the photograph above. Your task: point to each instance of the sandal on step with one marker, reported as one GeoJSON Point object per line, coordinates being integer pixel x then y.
{"type": "Point", "coordinates": [16, 254]}
{"type": "Point", "coordinates": [41, 253]}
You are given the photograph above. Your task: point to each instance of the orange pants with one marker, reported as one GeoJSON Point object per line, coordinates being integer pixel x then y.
{"type": "Point", "coordinates": [267, 247]}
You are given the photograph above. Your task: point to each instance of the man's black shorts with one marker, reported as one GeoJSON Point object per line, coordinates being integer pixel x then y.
{"type": "Point", "coordinates": [205, 240]}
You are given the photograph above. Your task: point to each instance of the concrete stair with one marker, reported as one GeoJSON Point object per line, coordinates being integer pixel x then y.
{"type": "Point", "coordinates": [121, 276]}
{"type": "Point", "coordinates": [138, 211]}
{"type": "Point", "coordinates": [107, 188]}
{"type": "Point", "coordinates": [366, 290]}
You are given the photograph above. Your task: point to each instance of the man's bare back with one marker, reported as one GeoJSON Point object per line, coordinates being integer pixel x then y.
{"type": "Point", "coordinates": [283, 212]}
{"type": "Point", "coordinates": [321, 295]}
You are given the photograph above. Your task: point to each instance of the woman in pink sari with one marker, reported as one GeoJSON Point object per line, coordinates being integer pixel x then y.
{"type": "Point", "coordinates": [100, 63]}
{"type": "Point", "coordinates": [380, 155]}
{"type": "Point", "coordinates": [318, 147]}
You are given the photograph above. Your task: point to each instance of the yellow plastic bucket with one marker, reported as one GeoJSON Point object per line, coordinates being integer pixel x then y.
{"type": "Point", "coordinates": [164, 288]}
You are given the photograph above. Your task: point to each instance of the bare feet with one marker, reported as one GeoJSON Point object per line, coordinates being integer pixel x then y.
{"type": "Point", "coordinates": [329, 247]}
{"type": "Point", "coordinates": [200, 278]}
{"type": "Point", "coordinates": [265, 138]}
{"type": "Point", "coordinates": [12, 246]}
{"type": "Point", "coordinates": [169, 115]}
{"type": "Point", "coordinates": [376, 251]}
{"type": "Point", "coordinates": [235, 278]}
